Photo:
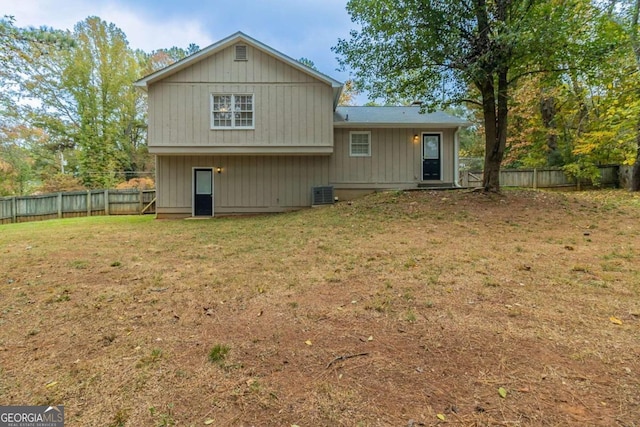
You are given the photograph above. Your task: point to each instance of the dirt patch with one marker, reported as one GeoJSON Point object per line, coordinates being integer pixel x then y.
{"type": "Point", "coordinates": [414, 308]}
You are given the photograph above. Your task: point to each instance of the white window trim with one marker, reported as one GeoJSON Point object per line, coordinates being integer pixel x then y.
{"type": "Point", "coordinates": [233, 119]}
{"type": "Point", "coordinates": [351, 153]}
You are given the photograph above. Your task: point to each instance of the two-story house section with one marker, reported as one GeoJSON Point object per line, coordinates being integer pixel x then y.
{"type": "Point", "coordinates": [239, 127]}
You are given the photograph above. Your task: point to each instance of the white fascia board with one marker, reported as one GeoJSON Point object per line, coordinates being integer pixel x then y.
{"type": "Point", "coordinates": [224, 43]}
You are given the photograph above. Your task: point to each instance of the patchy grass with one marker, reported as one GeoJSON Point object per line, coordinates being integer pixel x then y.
{"type": "Point", "coordinates": [401, 308]}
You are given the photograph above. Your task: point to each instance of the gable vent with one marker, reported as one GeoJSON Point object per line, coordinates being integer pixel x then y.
{"type": "Point", "coordinates": [241, 52]}
{"type": "Point", "coordinates": [322, 195]}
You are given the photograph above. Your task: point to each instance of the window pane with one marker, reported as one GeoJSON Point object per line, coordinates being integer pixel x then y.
{"type": "Point", "coordinates": [222, 103]}
{"type": "Point", "coordinates": [203, 182]}
{"type": "Point", "coordinates": [360, 144]}
{"type": "Point", "coordinates": [431, 147]}
{"type": "Point", "coordinates": [222, 119]}
{"type": "Point", "coordinates": [244, 119]}
{"type": "Point", "coordinates": [232, 111]}
{"type": "Point", "coordinates": [243, 102]}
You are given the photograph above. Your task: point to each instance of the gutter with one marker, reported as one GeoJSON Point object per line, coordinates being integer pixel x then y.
{"type": "Point", "coordinates": [374, 125]}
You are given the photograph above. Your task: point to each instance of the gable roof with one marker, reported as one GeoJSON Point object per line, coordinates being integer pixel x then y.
{"type": "Point", "coordinates": [229, 41]}
{"type": "Point", "coordinates": [394, 117]}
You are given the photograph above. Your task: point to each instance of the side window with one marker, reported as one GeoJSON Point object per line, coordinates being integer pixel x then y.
{"type": "Point", "coordinates": [360, 144]}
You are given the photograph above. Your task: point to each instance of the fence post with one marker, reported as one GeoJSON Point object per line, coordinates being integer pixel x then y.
{"type": "Point", "coordinates": [140, 194]}
{"type": "Point", "coordinates": [14, 210]}
{"type": "Point", "coordinates": [88, 202]}
{"type": "Point", "coordinates": [60, 205]}
{"type": "Point", "coordinates": [535, 178]}
{"type": "Point", "coordinates": [106, 202]}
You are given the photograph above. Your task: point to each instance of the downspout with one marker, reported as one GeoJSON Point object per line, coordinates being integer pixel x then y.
{"type": "Point", "coordinates": [456, 159]}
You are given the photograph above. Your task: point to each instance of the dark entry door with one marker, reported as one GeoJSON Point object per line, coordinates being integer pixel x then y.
{"type": "Point", "coordinates": [431, 157]}
{"type": "Point", "coordinates": [203, 192]}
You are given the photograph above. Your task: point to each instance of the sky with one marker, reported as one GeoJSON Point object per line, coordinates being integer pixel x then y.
{"type": "Point", "coordinates": [297, 28]}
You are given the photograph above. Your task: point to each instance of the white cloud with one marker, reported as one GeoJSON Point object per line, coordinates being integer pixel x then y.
{"type": "Point", "coordinates": [142, 31]}
{"type": "Point", "coordinates": [148, 35]}
{"type": "Point", "coordinates": [306, 28]}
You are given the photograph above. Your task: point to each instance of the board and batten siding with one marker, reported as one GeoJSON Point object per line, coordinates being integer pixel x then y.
{"type": "Point", "coordinates": [246, 183]}
{"type": "Point", "coordinates": [291, 109]}
{"type": "Point", "coordinates": [395, 161]}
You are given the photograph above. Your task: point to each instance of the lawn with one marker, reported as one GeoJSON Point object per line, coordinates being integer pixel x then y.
{"type": "Point", "coordinates": [398, 309]}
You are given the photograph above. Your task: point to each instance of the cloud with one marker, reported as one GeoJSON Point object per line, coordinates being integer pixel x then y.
{"type": "Point", "coordinates": [297, 28]}
{"type": "Point", "coordinates": [143, 31]}
{"type": "Point", "coordinates": [150, 35]}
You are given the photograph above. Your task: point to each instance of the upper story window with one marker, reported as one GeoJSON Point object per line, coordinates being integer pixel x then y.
{"type": "Point", "coordinates": [360, 144]}
{"type": "Point", "coordinates": [232, 111]}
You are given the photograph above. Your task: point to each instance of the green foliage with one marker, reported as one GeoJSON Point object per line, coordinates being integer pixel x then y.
{"type": "Point", "coordinates": [99, 78]}
{"type": "Point", "coordinates": [163, 57]}
{"type": "Point", "coordinates": [580, 118]}
{"type": "Point", "coordinates": [218, 354]}
{"type": "Point", "coordinates": [308, 63]}
{"type": "Point", "coordinates": [80, 97]}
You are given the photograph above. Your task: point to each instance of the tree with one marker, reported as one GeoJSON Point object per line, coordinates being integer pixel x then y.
{"type": "Point", "coordinates": [99, 77]}
{"type": "Point", "coordinates": [308, 63]}
{"type": "Point", "coordinates": [627, 13]}
{"type": "Point", "coordinates": [580, 118]}
{"type": "Point", "coordinates": [162, 58]}
{"type": "Point", "coordinates": [409, 49]}
{"type": "Point", "coordinates": [79, 88]}
{"type": "Point", "coordinates": [349, 91]}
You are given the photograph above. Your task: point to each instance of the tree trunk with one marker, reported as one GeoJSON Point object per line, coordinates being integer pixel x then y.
{"type": "Point", "coordinates": [495, 119]}
{"type": "Point", "coordinates": [548, 113]}
{"type": "Point", "coordinates": [635, 174]}
{"type": "Point", "coordinates": [491, 176]}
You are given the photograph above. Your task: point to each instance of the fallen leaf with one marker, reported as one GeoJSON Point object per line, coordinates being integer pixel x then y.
{"type": "Point", "coordinates": [209, 421]}
{"type": "Point", "coordinates": [370, 338]}
{"type": "Point", "coordinates": [51, 384]}
{"type": "Point", "coordinates": [441, 417]}
{"type": "Point", "coordinates": [502, 392]}
{"type": "Point", "coordinates": [615, 320]}
{"type": "Point", "coordinates": [308, 342]}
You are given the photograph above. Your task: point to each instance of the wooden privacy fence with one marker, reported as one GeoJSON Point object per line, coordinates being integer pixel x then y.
{"type": "Point", "coordinates": [541, 178]}
{"type": "Point", "coordinates": [75, 204]}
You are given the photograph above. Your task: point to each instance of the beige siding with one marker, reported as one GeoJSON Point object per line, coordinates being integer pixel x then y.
{"type": "Point", "coordinates": [291, 108]}
{"type": "Point", "coordinates": [395, 161]}
{"type": "Point", "coordinates": [246, 183]}
{"type": "Point", "coordinates": [260, 67]}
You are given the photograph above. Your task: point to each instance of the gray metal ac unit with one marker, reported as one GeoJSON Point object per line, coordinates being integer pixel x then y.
{"type": "Point", "coordinates": [322, 195]}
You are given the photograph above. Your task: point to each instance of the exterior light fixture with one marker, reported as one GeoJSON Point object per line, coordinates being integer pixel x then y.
{"type": "Point", "coordinates": [219, 169]}
{"type": "Point", "coordinates": [416, 138]}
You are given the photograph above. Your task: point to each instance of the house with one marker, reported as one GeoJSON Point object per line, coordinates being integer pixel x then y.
{"type": "Point", "coordinates": [240, 128]}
